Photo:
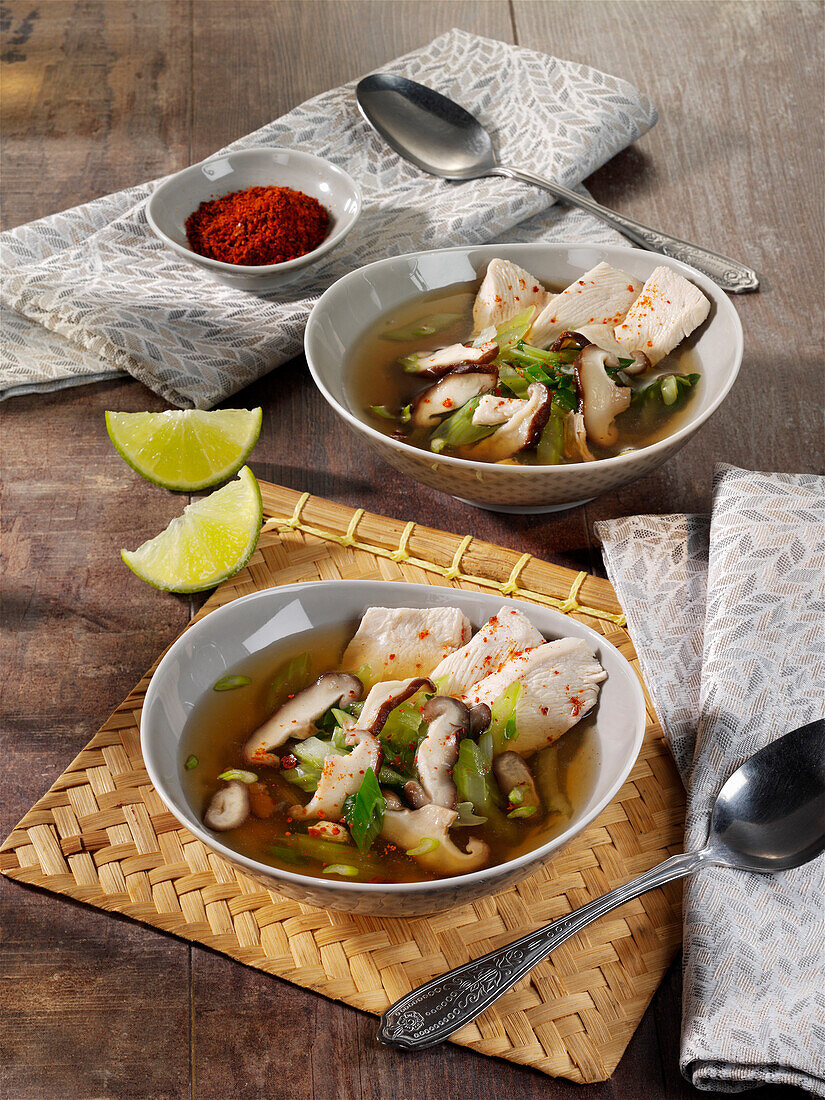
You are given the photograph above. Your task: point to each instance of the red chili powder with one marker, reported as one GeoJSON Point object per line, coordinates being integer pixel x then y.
{"type": "Point", "coordinates": [261, 225]}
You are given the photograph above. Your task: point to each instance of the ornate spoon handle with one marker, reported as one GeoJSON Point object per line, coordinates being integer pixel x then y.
{"type": "Point", "coordinates": [732, 276]}
{"type": "Point", "coordinates": [430, 1014]}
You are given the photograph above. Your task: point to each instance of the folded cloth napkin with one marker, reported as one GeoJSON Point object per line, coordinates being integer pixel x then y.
{"type": "Point", "coordinates": [90, 292]}
{"type": "Point", "coordinates": [727, 615]}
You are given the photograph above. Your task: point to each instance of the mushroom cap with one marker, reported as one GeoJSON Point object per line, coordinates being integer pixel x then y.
{"type": "Point", "coordinates": [511, 772]}
{"type": "Point", "coordinates": [450, 393]}
{"type": "Point", "coordinates": [480, 718]}
{"type": "Point", "coordinates": [569, 339]}
{"type": "Point", "coordinates": [229, 807]}
{"type": "Point", "coordinates": [640, 363]}
{"type": "Point", "coordinates": [600, 399]}
{"type": "Point", "coordinates": [384, 698]}
{"type": "Point", "coordinates": [448, 719]}
{"type": "Point", "coordinates": [297, 717]}
{"type": "Point", "coordinates": [440, 362]}
{"type": "Point", "coordinates": [521, 431]}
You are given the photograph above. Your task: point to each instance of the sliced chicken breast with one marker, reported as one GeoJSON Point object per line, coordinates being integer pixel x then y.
{"type": "Point", "coordinates": [398, 642]}
{"type": "Point", "coordinates": [668, 309]}
{"type": "Point", "coordinates": [504, 634]}
{"type": "Point", "coordinates": [559, 686]}
{"type": "Point", "coordinates": [506, 290]}
{"type": "Point", "coordinates": [597, 301]}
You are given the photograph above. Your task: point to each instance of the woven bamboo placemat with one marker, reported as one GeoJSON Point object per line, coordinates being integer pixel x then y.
{"type": "Point", "coordinates": [102, 835]}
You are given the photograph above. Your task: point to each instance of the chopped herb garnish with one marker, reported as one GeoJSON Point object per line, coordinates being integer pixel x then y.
{"type": "Point", "coordinates": [341, 869]}
{"type": "Point", "coordinates": [240, 774]}
{"type": "Point", "coordinates": [365, 813]}
{"type": "Point", "coordinates": [191, 762]}
{"type": "Point", "coordinates": [426, 845]}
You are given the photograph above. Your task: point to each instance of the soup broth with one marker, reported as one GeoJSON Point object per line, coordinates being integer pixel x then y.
{"type": "Point", "coordinates": [376, 379]}
{"type": "Point", "coordinates": [222, 721]}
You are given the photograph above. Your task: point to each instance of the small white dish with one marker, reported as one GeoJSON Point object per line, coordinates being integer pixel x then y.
{"type": "Point", "coordinates": [355, 302]}
{"type": "Point", "coordinates": [231, 633]}
{"type": "Point", "coordinates": [174, 200]}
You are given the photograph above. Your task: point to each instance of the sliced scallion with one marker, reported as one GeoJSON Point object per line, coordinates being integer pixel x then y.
{"type": "Point", "coordinates": [191, 762]}
{"type": "Point", "coordinates": [239, 774]}
{"type": "Point", "coordinates": [426, 845]}
{"type": "Point", "coordinates": [341, 869]}
{"type": "Point", "coordinates": [229, 683]}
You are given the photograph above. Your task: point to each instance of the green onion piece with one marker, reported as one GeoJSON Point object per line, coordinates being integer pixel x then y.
{"type": "Point", "coordinates": [565, 399]}
{"type": "Point", "coordinates": [458, 429]}
{"type": "Point", "coordinates": [286, 855]}
{"type": "Point", "coordinates": [313, 751]}
{"type": "Point", "coordinates": [290, 678]}
{"type": "Point", "coordinates": [239, 774]}
{"type": "Point", "coordinates": [229, 683]}
{"type": "Point", "coordinates": [510, 332]}
{"type": "Point", "coordinates": [364, 674]}
{"type": "Point", "coordinates": [405, 416]}
{"type": "Point", "coordinates": [550, 448]}
{"type": "Point", "coordinates": [667, 388]}
{"type": "Point", "coordinates": [424, 326]}
{"type": "Point", "coordinates": [365, 814]}
{"type": "Point", "coordinates": [389, 777]}
{"type": "Point", "coordinates": [516, 796]}
{"type": "Point", "coordinates": [327, 851]}
{"type": "Point", "coordinates": [466, 817]}
{"type": "Point", "coordinates": [503, 711]}
{"type": "Point", "coordinates": [303, 776]}
{"type": "Point", "coordinates": [475, 784]}
{"type": "Point", "coordinates": [341, 869]}
{"type": "Point", "coordinates": [670, 390]}
{"type": "Point", "coordinates": [191, 762]}
{"type": "Point", "coordinates": [513, 379]}
{"type": "Point", "coordinates": [625, 363]}
{"type": "Point", "coordinates": [383, 412]}
{"type": "Point", "coordinates": [522, 811]}
{"type": "Point", "coordinates": [426, 845]}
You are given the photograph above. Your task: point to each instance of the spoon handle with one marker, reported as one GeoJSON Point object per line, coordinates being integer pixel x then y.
{"type": "Point", "coordinates": [732, 276]}
{"type": "Point", "coordinates": [434, 1011]}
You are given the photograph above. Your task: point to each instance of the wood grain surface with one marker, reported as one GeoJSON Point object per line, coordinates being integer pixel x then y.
{"type": "Point", "coordinates": [97, 96]}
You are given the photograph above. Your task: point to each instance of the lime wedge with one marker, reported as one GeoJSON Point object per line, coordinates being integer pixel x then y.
{"type": "Point", "coordinates": [211, 541]}
{"type": "Point", "coordinates": [185, 449]}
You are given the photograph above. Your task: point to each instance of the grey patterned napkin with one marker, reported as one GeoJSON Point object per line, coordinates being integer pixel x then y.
{"type": "Point", "coordinates": [728, 618]}
{"type": "Point", "coordinates": [90, 292]}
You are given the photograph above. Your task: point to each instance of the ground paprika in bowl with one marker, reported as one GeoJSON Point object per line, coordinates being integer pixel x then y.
{"type": "Point", "coordinates": [249, 208]}
{"type": "Point", "coordinates": [260, 225]}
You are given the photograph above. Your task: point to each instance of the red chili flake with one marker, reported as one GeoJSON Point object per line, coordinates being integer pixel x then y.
{"type": "Point", "coordinates": [288, 761]}
{"type": "Point", "coordinates": [535, 290]}
{"type": "Point", "coordinates": [630, 287]}
{"type": "Point", "coordinates": [392, 657]}
{"type": "Point", "coordinates": [261, 225]}
{"type": "Point", "coordinates": [423, 633]}
{"type": "Point", "coordinates": [576, 706]}
{"type": "Point", "coordinates": [448, 402]}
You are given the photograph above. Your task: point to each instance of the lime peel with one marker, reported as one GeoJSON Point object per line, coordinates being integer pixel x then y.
{"type": "Point", "coordinates": [213, 540]}
{"type": "Point", "coordinates": [185, 450]}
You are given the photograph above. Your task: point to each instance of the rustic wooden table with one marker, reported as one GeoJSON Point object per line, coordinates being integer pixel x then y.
{"type": "Point", "coordinates": [101, 95]}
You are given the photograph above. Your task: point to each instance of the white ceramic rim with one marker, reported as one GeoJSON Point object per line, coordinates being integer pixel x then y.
{"type": "Point", "coordinates": [715, 293]}
{"type": "Point", "coordinates": [259, 269]}
{"type": "Point", "coordinates": [500, 870]}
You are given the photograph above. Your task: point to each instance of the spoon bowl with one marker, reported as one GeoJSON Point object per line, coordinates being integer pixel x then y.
{"type": "Point", "coordinates": [431, 131]}
{"type": "Point", "coordinates": [770, 814]}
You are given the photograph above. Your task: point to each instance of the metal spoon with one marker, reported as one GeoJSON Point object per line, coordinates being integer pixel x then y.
{"type": "Point", "coordinates": [769, 816]}
{"type": "Point", "coordinates": [440, 137]}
